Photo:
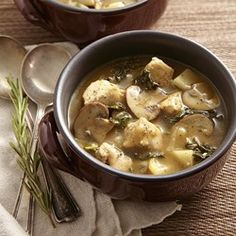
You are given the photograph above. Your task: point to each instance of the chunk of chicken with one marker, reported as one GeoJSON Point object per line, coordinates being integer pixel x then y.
{"type": "Point", "coordinates": [110, 154]}
{"type": "Point", "coordinates": [186, 79]}
{"type": "Point", "coordinates": [104, 92]}
{"type": "Point", "coordinates": [142, 135]}
{"type": "Point", "coordinates": [173, 104]}
{"type": "Point", "coordinates": [160, 72]}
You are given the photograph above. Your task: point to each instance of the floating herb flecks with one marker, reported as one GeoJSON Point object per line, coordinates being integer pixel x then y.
{"type": "Point", "coordinates": [121, 119]}
{"type": "Point", "coordinates": [187, 111]}
{"type": "Point", "coordinates": [145, 82]}
{"type": "Point", "coordinates": [201, 151]}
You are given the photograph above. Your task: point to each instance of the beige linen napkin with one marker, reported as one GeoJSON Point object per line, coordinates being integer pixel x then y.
{"type": "Point", "coordinates": [100, 215]}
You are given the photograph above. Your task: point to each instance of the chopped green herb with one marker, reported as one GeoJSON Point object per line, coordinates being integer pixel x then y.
{"type": "Point", "coordinates": [201, 151]}
{"type": "Point", "coordinates": [119, 74]}
{"type": "Point", "coordinates": [149, 155]}
{"type": "Point", "coordinates": [187, 111]}
{"type": "Point", "coordinates": [145, 82]}
{"type": "Point", "coordinates": [92, 147]}
{"type": "Point", "coordinates": [121, 119]}
{"type": "Point", "coordinates": [121, 71]}
{"type": "Point", "coordinates": [117, 106]}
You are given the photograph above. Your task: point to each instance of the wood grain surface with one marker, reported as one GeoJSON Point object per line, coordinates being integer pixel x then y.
{"type": "Point", "coordinates": [213, 24]}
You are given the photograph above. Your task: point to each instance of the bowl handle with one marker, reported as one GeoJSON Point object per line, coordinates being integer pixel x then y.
{"type": "Point", "coordinates": [50, 146]}
{"type": "Point", "coordinates": [30, 11]}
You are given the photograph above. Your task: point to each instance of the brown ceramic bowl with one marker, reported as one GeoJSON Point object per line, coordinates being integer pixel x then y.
{"type": "Point", "coordinates": [83, 26]}
{"type": "Point", "coordinates": [113, 182]}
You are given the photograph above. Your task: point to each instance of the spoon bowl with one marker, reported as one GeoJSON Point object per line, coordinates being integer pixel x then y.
{"type": "Point", "coordinates": [12, 54]}
{"type": "Point", "coordinates": [40, 70]}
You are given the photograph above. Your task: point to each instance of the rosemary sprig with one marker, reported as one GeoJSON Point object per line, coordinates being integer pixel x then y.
{"type": "Point", "coordinates": [27, 162]}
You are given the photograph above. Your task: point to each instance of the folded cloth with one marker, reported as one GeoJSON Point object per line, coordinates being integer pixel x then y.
{"type": "Point", "coordinates": [100, 215]}
{"type": "Point", "coordinates": [8, 225]}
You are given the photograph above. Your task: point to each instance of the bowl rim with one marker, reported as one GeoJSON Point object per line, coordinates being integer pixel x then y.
{"type": "Point", "coordinates": [97, 11]}
{"type": "Point", "coordinates": [65, 131]}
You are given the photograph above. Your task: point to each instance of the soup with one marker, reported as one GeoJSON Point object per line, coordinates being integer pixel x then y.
{"type": "Point", "coordinates": [98, 4]}
{"type": "Point", "coordinates": [147, 115]}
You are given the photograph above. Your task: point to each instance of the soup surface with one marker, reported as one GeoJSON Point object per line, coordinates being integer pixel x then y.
{"type": "Point", "coordinates": [99, 4]}
{"type": "Point", "coordinates": [147, 115]}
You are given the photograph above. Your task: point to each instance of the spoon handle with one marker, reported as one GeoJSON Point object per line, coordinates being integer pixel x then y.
{"type": "Point", "coordinates": [65, 208]}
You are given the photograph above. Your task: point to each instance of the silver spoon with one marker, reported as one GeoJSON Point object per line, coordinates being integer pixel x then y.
{"type": "Point", "coordinates": [39, 73]}
{"type": "Point", "coordinates": [12, 54]}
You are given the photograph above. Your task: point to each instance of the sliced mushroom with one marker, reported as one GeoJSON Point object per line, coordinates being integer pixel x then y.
{"type": "Point", "coordinates": [142, 135]}
{"type": "Point", "coordinates": [92, 123]}
{"type": "Point", "coordinates": [186, 79]}
{"type": "Point", "coordinates": [160, 72]}
{"type": "Point", "coordinates": [196, 125]}
{"type": "Point", "coordinates": [173, 104]}
{"type": "Point", "coordinates": [104, 92]}
{"type": "Point", "coordinates": [112, 155]}
{"type": "Point", "coordinates": [201, 97]}
{"type": "Point", "coordinates": [144, 103]}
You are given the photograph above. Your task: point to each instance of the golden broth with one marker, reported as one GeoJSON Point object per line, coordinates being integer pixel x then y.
{"type": "Point", "coordinates": [145, 161]}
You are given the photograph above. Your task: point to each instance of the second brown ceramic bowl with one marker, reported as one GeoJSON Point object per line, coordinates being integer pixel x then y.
{"type": "Point", "coordinates": [83, 26]}
{"type": "Point", "coordinates": [118, 184]}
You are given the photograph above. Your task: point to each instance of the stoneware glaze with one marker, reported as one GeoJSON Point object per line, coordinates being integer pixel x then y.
{"type": "Point", "coordinates": [115, 183]}
{"type": "Point", "coordinates": [86, 25]}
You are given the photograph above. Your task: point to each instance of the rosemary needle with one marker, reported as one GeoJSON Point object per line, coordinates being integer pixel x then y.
{"type": "Point", "coordinates": [29, 163]}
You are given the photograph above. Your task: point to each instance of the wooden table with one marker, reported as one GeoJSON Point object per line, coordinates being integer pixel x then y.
{"type": "Point", "coordinates": [213, 24]}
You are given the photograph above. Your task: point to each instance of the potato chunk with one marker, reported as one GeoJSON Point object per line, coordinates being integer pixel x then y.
{"type": "Point", "coordinates": [160, 72]}
{"type": "Point", "coordinates": [104, 92]}
{"type": "Point", "coordinates": [186, 79]}
{"type": "Point", "coordinates": [142, 135]}
{"type": "Point", "coordinates": [157, 168]}
{"type": "Point", "coordinates": [110, 154]}
{"type": "Point", "coordinates": [173, 104]}
{"type": "Point", "coordinates": [89, 3]}
{"type": "Point", "coordinates": [184, 157]}
{"type": "Point", "coordinates": [114, 5]}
